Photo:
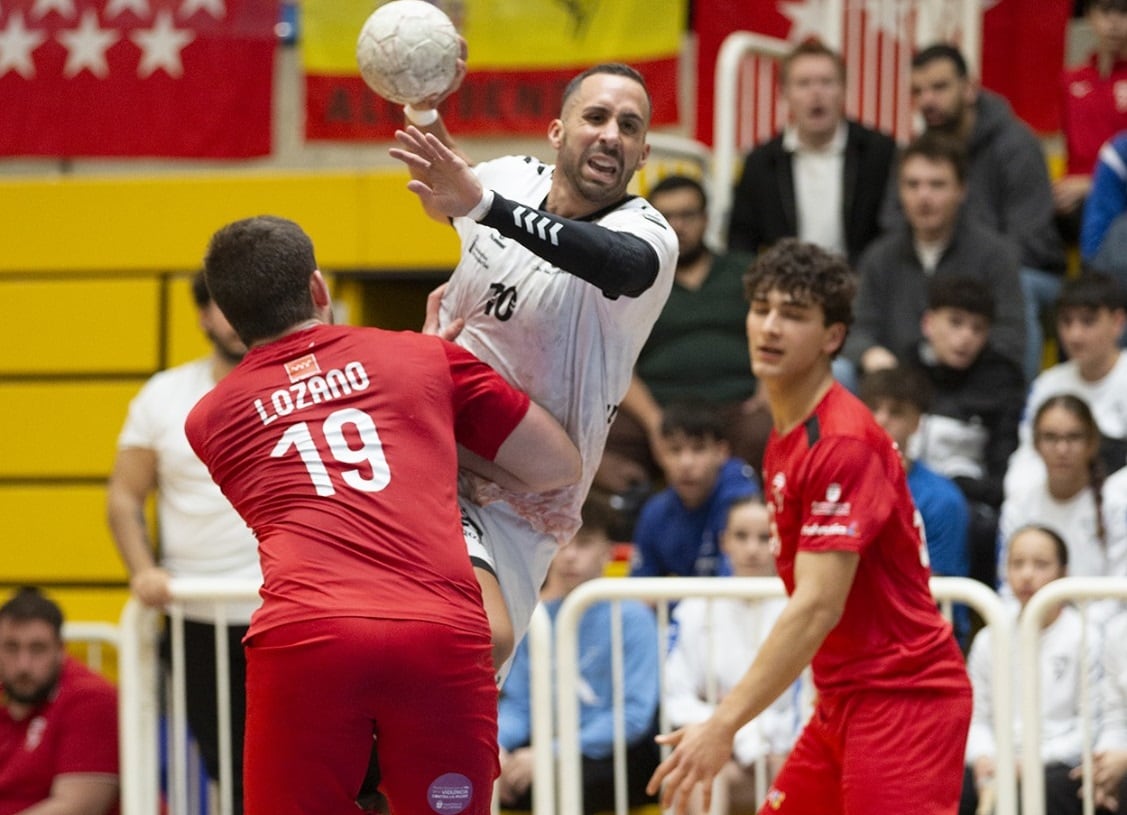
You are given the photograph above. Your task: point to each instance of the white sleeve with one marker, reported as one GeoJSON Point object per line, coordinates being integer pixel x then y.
{"type": "Point", "coordinates": [980, 737]}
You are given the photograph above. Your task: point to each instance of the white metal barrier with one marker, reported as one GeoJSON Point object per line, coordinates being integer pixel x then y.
{"type": "Point", "coordinates": [876, 38]}
{"type": "Point", "coordinates": [1080, 590]}
{"type": "Point", "coordinates": [139, 709]}
{"type": "Point", "coordinates": [96, 637]}
{"type": "Point", "coordinates": [663, 590]}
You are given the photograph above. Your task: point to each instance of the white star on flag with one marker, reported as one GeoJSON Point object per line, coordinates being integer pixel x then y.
{"type": "Point", "coordinates": [16, 46]}
{"type": "Point", "coordinates": [887, 16]}
{"type": "Point", "coordinates": [138, 7]}
{"type": "Point", "coordinates": [86, 46]}
{"type": "Point", "coordinates": [807, 18]}
{"type": "Point", "coordinates": [216, 8]}
{"type": "Point", "coordinates": [44, 7]}
{"type": "Point", "coordinates": [161, 46]}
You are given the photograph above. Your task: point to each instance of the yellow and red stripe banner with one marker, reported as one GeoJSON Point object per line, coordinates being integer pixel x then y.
{"type": "Point", "coordinates": [521, 55]}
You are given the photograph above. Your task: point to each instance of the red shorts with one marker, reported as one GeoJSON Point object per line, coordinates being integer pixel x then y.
{"type": "Point", "coordinates": [318, 691]}
{"type": "Point", "coordinates": [877, 751]}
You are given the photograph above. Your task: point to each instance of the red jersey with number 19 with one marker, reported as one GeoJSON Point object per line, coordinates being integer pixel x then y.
{"type": "Point", "coordinates": [337, 446]}
{"type": "Point", "coordinates": [836, 483]}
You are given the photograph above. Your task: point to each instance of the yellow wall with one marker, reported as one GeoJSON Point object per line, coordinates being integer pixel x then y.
{"type": "Point", "coordinates": [94, 277]}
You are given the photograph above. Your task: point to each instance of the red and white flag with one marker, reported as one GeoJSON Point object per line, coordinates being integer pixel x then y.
{"type": "Point", "coordinates": [176, 78]}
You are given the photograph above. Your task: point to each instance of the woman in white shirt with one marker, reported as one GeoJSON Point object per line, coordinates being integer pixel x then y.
{"type": "Point", "coordinates": [1070, 497]}
{"type": "Point", "coordinates": [716, 642]}
{"type": "Point", "coordinates": [1036, 556]}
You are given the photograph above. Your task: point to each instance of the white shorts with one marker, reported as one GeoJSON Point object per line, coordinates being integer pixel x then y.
{"type": "Point", "coordinates": [517, 554]}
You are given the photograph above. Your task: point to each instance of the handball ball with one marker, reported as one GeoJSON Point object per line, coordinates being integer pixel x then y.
{"type": "Point", "coordinates": [408, 50]}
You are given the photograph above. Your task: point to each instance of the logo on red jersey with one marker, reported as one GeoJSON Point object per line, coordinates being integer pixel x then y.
{"type": "Point", "coordinates": [829, 530]}
{"type": "Point", "coordinates": [778, 486]}
{"type": "Point", "coordinates": [302, 368]}
{"type": "Point", "coordinates": [775, 798]}
{"type": "Point", "coordinates": [832, 505]}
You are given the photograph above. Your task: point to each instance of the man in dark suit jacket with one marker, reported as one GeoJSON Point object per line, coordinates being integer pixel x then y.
{"type": "Point", "coordinates": [823, 179]}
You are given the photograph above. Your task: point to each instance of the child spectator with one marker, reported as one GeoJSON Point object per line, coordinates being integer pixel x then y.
{"type": "Point", "coordinates": [716, 642]}
{"type": "Point", "coordinates": [898, 399]}
{"type": "Point", "coordinates": [1036, 556]}
{"type": "Point", "coordinates": [1070, 497]}
{"type": "Point", "coordinates": [678, 529]}
{"type": "Point", "coordinates": [1090, 318]}
{"type": "Point", "coordinates": [970, 429]}
{"type": "Point", "coordinates": [585, 558]}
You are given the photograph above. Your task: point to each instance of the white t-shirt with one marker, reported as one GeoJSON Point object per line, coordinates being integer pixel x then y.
{"type": "Point", "coordinates": [1113, 690]}
{"type": "Point", "coordinates": [201, 535]}
{"type": "Point", "coordinates": [716, 642]}
{"type": "Point", "coordinates": [549, 333]}
{"type": "Point", "coordinates": [1106, 397]}
{"type": "Point", "coordinates": [1061, 666]}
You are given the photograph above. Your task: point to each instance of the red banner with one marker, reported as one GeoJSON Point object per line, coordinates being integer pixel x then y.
{"type": "Point", "coordinates": [165, 78]}
{"type": "Point", "coordinates": [488, 103]}
{"type": "Point", "coordinates": [1023, 56]}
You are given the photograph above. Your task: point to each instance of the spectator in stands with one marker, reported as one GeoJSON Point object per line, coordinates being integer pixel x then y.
{"type": "Point", "coordinates": [1070, 497]}
{"type": "Point", "coordinates": [899, 398]}
{"type": "Point", "coordinates": [697, 350]}
{"type": "Point", "coordinates": [1036, 556]}
{"type": "Point", "coordinates": [201, 535]}
{"type": "Point", "coordinates": [1103, 228]}
{"type": "Point", "coordinates": [58, 721]}
{"type": "Point", "coordinates": [1008, 186]}
{"type": "Point", "coordinates": [823, 178]}
{"type": "Point", "coordinates": [678, 530]}
{"type": "Point", "coordinates": [1090, 318]}
{"type": "Point", "coordinates": [716, 640]}
{"type": "Point", "coordinates": [585, 558]}
{"type": "Point", "coordinates": [1109, 761]}
{"type": "Point", "coordinates": [938, 239]}
{"type": "Point", "coordinates": [970, 429]}
{"type": "Point", "coordinates": [1093, 105]}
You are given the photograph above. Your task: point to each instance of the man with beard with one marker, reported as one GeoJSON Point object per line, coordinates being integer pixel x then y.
{"type": "Point", "coordinates": [1008, 188]}
{"type": "Point", "coordinates": [58, 721]}
{"type": "Point", "coordinates": [697, 351]}
{"type": "Point", "coordinates": [201, 535]}
{"type": "Point", "coordinates": [561, 278]}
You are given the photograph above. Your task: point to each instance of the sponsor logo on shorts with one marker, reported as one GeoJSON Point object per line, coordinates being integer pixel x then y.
{"type": "Point", "coordinates": [449, 794]}
{"type": "Point", "coordinates": [829, 530]}
{"type": "Point", "coordinates": [775, 798]}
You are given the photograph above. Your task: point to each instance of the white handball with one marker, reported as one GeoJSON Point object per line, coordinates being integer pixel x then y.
{"type": "Point", "coordinates": [407, 51]}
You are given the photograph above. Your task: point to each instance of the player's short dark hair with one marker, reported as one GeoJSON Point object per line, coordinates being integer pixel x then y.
{"type": "Point", "coordinates": [808, 273]}
{"type": "Point", "coordinates": [1094, 290]}
{"type": "Point", "coordinates": [672, 183]}
{"type": "Point", "coordinates": [899, 384]}
{"type": "Point", "coordinates": [615, 69]}
{"type": "Point", "coordinates": [258, 272]}
{"type": "Point", "coordinates": [964, 293]}
{"type": "Point", "coordinates": [28, 604]}
{"type": "Point", "coordinates": [811, 47]}
{"type": "Point", "coordinates": [937, 146]}
{"type": "Point", "coordinates": [694, 418]}
{"type": "Point", "coordinates": [200, 295]}
{"type": "Point", "coordinates": [939, 51]}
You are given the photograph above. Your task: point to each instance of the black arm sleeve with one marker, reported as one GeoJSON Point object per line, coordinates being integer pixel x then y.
{"type": "Point", "coordinates": [618, 263]}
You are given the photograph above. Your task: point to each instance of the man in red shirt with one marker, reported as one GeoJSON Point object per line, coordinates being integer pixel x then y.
{"type": "Point", "coordinates": [339, 446]}
{"type": "Point", "coordinates": [894, 702]}
{"type": "Point", "coordinates": [58, 721]}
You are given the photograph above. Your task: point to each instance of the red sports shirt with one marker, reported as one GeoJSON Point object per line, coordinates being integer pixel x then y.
{"type": "Point", "coordinates": [337, 446]}
{"type": "Point", "coordinates": [73, 732]}
{"type": "Point", "coordinates": [835, 483]}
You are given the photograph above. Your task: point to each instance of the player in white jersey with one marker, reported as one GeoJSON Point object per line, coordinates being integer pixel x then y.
{"type": "Point", "coordinates": [561, 278]}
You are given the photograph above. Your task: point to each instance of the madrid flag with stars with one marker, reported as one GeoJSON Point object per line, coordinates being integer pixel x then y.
{"type": "Point", "coordinates": [166, 78]}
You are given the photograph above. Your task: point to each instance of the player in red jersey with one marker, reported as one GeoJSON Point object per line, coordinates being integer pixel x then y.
{"type": "Point", "coordinates": [894, 701]}
{"type": "Point", "coordinates": [339, 448]}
